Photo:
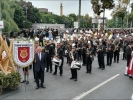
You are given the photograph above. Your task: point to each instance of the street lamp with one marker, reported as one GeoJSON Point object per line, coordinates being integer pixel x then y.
{"type": "Point", "coordinates": [26, 8]}
{"type": "Point", "coordinates": [79, 16]}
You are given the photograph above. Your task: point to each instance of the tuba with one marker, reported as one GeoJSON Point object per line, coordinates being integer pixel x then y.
{"type": "Point", "coordinates": [116, 47]}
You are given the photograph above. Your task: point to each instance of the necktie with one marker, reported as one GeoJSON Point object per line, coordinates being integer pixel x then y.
{"type": "Point", "coordinates": [39, 55]}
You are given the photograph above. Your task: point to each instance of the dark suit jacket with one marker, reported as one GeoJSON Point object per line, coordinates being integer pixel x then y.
{"type": "Point", "coordinates": [40, 64]}
{"type": "Point", "coordinates": [128, 54]}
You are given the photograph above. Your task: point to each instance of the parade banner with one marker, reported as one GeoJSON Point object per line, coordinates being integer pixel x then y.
{"type": "Point", "coordinates": [23, 53]}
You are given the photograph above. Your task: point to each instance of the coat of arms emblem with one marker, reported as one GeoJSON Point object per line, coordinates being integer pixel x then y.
{"type": "Point", "coordinates": [23, 53]}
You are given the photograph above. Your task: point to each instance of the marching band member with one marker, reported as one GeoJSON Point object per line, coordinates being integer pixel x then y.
{"type": "Point", "coordinates": [74, 57]}
{"type": "Point", "coordinates": [109, 52]}
{"type": "Point", "coordinates": [49, 54]}
{"type": "Point", "coordinates": [89, 57]}
{"type": "Point", "coordinates": [59, 54]}
{"type": "Point", "coordinates": [116, 51]}
{"type": "Point", "coordinates": [84, 47]}
{"type": "Point", "coordinates": [101, 51]}
{"type": "Point", "coordinates": [79, 46]}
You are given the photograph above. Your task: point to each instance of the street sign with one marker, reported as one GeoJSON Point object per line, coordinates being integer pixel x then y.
{"type": "Point", "coordinates": [75, 24]}
{"type": "Point", "coordinates": [1, 24]}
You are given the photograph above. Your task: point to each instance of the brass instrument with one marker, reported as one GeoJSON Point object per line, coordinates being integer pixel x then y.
{"type": "Point", "coordinates": [88, 52]}
{"type": "Point", "coordinates": [71, 55]}
{"type": "Point", "coordinates": [99, 48]}
{"type": "Point", "coordinates": [108, 48]}
{"type": "Point", "coordinates": [56, 54]}
{"type": "Point", "coordinates": [116, 47]}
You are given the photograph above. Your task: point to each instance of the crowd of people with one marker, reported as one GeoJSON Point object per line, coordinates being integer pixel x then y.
{"type": "Point", "coordinates": [80, 48]}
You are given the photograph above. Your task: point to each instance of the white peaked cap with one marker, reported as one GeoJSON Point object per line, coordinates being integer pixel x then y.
{"type": "Point", "coordinates": [117, 36]}
{"type": "Point", "coordinates": [67, 31]}
{"type": "Point", "coordinates": [132, 34]}
{"type": "Point", "coordinates": [51, 38]}
{"type": "Point", "coordinates": [47, 39]}
{"type": "Point", "coordinates": [100, 40]}
{"type": "Point", "coordinates": [125, 35]}
{"type": "Point", "coordinates": [73, 44]}
{"type": "Point", "coordinates": [89, 42]}
{"type": "Point", "coordinates": [86, 31]}
{"type": "Point", "coordinates": [90, 31]}
{"type": "Point", "coordinates": [106, 34]}
{"type": "Point", "coordinates": [58, 41]}
{"type": "Point", "coordinates": [78, 38]}
{"type": "Point", "coordinates": [120, 38]}
{"type": "Point", "coordinates": [36, 39]}
{"type": "Point", "coordinates": [75, 31]}
{"type": "Point", "coordinates": [30, 40]}
{"type": "Point", "coordinates": [81, 31]}
{"type": "Point", "coordinates": [50, 31]}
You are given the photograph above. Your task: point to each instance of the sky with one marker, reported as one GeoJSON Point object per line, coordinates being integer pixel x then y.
{"type": "Point", "coordinates": [69, 6]}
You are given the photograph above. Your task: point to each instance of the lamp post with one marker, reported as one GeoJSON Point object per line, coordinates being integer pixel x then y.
{"type": "Point", "coordinates": [0, 16]}
{"type": "Point", "coordinates": [26, 8]}
{"type": "Point", "coordinates": [53, 24]}
{"type": "Point", "coordinates": [41, 24]}
{"type": "Point", "coordinates": [79, 16]}
{"type": "Point", "coordinates": [23, 24]}
{"type": "Point", "coordinates": [116, 22]}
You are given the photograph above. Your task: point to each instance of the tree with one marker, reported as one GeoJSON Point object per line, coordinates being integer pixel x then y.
{"type": "Point", "coordinates": [120, 11]}
{"type": "Point", "coordinates": [8, 16]}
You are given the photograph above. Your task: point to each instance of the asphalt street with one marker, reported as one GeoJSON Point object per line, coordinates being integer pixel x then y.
{"type": "Point", "coordinates": [61, 87]}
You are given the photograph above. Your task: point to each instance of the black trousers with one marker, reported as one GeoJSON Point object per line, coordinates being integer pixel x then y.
{"type": "Point", "coordinates": [116, 55]}
{"type": "Point", "coordinates": [124, 55]}
{"type": "Point", "coordinates": [49, 63]}
{"type": "Point", "coordinates": [109, 58]}
{"type": "Point", "coordinates": [79, 55]}
{"type": "Point", "coordinates": [39, 75]}
{"type": "Point", "coordinates": [84, 59]}
{"type": "Point", "coordinates": [101, 61]}
{"type": "Point", "coordinates": [74, 73]}
{"type": "Point", "coordinates": [34, 73]}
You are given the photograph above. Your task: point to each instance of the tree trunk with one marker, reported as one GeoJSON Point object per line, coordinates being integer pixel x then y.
{"type": "Point", "coordinates": [122, 22]}
{"type": "Point", "coordinates": [103, 18]}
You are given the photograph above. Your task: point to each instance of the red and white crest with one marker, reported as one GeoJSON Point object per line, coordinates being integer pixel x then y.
{"type": "Point", "coordinates": [23, 53]}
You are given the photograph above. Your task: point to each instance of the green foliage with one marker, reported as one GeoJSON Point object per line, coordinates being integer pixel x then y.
{"type": "Point", "coordinates": [7, 17]}
{"type": "Point", "coordinates": [11, 80]}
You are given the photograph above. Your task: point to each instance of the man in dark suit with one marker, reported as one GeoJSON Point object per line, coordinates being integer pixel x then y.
{"type": "Point", "coordinates": [128, 55]}
{"type": "Point", "coordinates": [40, 64]}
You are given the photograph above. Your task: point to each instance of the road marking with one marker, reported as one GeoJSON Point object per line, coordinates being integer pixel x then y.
{"type": "Point", "coordinates": [91, 90]}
